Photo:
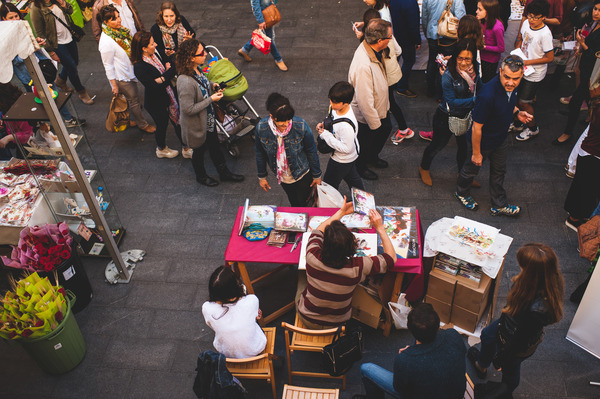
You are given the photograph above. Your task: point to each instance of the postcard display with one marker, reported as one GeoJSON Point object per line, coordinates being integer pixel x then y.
{"type": "Point", "coordinates": [42, 188]}
{"type": "Point", "coordinates": [464, 281]}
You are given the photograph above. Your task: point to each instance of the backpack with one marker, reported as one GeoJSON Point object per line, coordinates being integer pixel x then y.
{"type": "Point", "coordinates": [214, 381]}
{"type": "Point", "coordinates": [233, 83]}
{"type": "Point", "coordinates": [328, 123]}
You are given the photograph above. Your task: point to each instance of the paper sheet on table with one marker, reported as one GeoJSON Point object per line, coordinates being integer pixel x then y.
{"type": "Point", "coordinates": [437, 240]}
{"type": "Point", "coordinates": [528, 70]}
{"type": "Point", "coordinates": [302, 260]}
{"type": "Point", "coordinates": [570, 45]}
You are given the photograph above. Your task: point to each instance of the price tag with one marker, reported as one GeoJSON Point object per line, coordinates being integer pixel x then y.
{"type": "Point", "coordinates": [96, 249]}
{"type": "Point", "coordinates": [83, 231]}
{"type": "Point", "coordinates": [70, 272]}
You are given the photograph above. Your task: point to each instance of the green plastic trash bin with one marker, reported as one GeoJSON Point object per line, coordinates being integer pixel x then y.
{"type": "Point", "coordinates": [61, 350]}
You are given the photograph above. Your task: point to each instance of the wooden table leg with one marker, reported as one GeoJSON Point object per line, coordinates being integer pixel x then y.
{"type": "Point", "coordinates": [240, 268]}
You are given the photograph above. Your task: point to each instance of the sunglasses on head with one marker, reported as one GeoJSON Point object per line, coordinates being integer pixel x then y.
{"type": "Point", "coordinates": [514, 61]}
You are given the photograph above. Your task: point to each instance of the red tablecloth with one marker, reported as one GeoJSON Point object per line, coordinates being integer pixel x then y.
{"type": "Point", "coordinates": [241, 250]}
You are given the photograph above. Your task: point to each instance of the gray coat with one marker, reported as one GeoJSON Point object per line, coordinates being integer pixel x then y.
{"type": "Point", "coordinates": [192, 111]}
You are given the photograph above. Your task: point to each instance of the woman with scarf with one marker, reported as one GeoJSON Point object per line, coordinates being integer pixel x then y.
{"type": "Point", "coordinates": [170, 30]}
{"type": "Point", "coordinates": [159, 95]}
{"type": "Point", "coordinates": [115, 49]}
{"type": "Point", "coordinates": [197, 115]}
{"type": "Point", "coordinates": [286, 143]}
{"type": "Point", "coordinates": [459, 84]}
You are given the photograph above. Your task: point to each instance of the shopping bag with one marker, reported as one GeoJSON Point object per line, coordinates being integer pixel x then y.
{"type": "Point", "coordinates": [329, 197]}
{"type": "Point", "coordinates": [261, 41]}
{"type": "Point", "coordinates": [118, 114]}
{"type": "Point", "coordinates": [400, 311]}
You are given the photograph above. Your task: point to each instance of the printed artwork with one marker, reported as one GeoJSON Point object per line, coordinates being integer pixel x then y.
{"type": "Point", "coordinates": [363, 201]}
{"type": "Point", "coordinates": [400, 226]}
{"type": "Point", "coordinates": [288, 221]}
{"type": "Point", "coordinates": [367, 244]}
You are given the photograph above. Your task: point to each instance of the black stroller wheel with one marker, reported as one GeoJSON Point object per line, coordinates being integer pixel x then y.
{"type": "Point", "coordinates": [233, 150]}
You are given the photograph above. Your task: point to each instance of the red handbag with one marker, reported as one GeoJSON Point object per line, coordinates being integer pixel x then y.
{"type": "Point", "coordinates": [261, 41]}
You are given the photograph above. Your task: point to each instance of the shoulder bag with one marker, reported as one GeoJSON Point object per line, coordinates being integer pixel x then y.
{"type": "Point", "coordinates": [77, 32]}
{"type": "Point", "coordinates": [448, 23]}
{"type": "Point", "coordinates": [340, 355]}
{"type": "Point", "coordinates": [460, 126]}
{"type": "Point", "coordinates": [271, 15]}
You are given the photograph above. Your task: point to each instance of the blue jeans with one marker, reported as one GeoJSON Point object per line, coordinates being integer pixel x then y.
{"type": "Point", "coordinates": [271, 33]}
{"type": "Point", "coordinates": [511, 370]}
{"type": "Point", "coordinates": [69, 58]}
{"type": "Point", "coordinates": [378, 381]}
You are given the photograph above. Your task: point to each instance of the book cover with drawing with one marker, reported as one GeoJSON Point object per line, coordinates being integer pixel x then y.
{"type": "Point", "coordinates": [356, 221]}
{"type": "Point", "coordinates": [277, 238]}
{"type": "Point", "coordinates": [367, 244]}
{"type": "Point", "coordinates": [288, 221]}
{"type": "Point", "coordinates": [362, 201]}
{"type": "Point", "coordinates": [400, 227]}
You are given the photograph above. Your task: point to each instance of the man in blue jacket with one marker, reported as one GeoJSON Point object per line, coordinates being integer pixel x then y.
{"type": "Point", "coordinates": [431, 14]}
{"type": "Point", "coordinates": [405, 22]}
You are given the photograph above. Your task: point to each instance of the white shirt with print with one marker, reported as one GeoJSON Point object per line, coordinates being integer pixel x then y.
{"type": "Point", "coordinates": [535, 44]}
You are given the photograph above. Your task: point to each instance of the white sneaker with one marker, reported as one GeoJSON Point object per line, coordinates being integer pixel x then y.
{"type": "Point", "coordinates": [527, 134]}
{"type": "Point", "coordinates": [515, 129]}
{"type": "Point", "coordinates": [187, 152]}
{"type": "Point", "coordinates": [166, 153]}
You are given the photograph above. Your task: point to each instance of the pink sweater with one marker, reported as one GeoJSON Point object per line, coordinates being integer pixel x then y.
{"type": "Point", "coordinates": [494, 43]}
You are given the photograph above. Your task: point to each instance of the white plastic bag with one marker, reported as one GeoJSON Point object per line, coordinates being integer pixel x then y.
{"type": "Point", "coordinates": [329, 197]}
{"type": "Point", "coordinates": [400, 311]}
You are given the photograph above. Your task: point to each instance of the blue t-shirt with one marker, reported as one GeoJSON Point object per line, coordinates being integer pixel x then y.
{"type": "Point", "coordinates": [494, 110]}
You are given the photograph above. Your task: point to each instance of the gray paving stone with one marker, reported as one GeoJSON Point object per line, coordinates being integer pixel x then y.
{"type": "Point", "coordinates": [161, 384]}
{"type": "Point", "coordinates": [140, 354]}
{"type": "Point", "coordinates": [161, 296]}
{"type": "Point", "coordinates": [178, 324]}
{"type": "Point", "coordinates": [84, 382]}
{"type": "Point", "coordinates": [118, 321]}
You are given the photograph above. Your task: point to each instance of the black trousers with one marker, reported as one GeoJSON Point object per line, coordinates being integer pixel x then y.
{"type": "Point", "coordinates": [581, 94]}
{"type": "Point", "coordinates": [299, 191]}
{"type": "Point", "coordinates": [161, 119]}
{"type": "Point", "coordinates": [441, 137]}
{"type": "Point", "coordinates": [336, 172]}
{"type": "Point", "coordinates": [409, 57]}
{"type": "Point", "coordinates": [395, 109]}
{"type": "Point", "coordinates": [488, 70]}
{"type": "Point", "coordinates": [214, 150]}
{"type": "Point", "coordinates": [497, 157]}
{"type": "Point", "coordinates": [584, 193]}
{"type": "Point", "coordinates": [371, 142]}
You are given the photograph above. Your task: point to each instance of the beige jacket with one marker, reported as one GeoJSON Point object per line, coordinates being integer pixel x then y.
{"type": "Point", "coordinates": [97, 27]}
{"type": "Point", "coordinates": [392, 68]}
{"type": "Point", "coordinates": [368, 77]}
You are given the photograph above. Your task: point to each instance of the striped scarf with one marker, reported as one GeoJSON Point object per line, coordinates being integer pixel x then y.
{"type": "Point", "coordinates": [173, 106]}
{"type": "Point", "coordinates": [121, 36]}
{"type": "Point", "coordinates": [167, 35]}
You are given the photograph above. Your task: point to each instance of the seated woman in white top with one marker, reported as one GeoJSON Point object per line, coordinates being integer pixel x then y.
{"type": "Point", "coordinates": [232, 315]}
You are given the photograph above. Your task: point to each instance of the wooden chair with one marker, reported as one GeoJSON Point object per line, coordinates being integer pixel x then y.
{"type": "Point", "coordinates": [292, 392]}
{"type": "Point", "coordinates": [307, 340]}
{"type": "Point", "coordinates": [259, 367]}
{"type": "Point", "coordinates": [470, 392]}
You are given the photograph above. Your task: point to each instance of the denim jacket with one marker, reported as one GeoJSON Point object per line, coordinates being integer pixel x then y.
{"type": "Point", "coordinates": [456, 94]}
{"type": "Point", "coordinates": [258, 6]}
{"type": "Point", "coordinates": [300, 149]}
{"type": "Point", "coordinates": [213, 380]}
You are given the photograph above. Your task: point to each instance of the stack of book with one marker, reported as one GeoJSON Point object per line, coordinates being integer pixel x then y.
{"type": "Point", "coordinates": [456, 267]}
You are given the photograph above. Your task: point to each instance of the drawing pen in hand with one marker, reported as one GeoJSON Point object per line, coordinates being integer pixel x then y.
{"type": "Point", "coordinates": [296, 242]}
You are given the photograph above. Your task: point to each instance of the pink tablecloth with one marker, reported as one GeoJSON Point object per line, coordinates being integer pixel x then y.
{"type": "Point", "coordinates": [241, 250]}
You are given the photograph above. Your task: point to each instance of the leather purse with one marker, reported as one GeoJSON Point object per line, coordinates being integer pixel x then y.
{"type": "Point", "coordinates": [340, 355]}
{"type": "Point", "coordinates": [76, 32]}
{"type": "Point", "coordinates": [448, 23]}
{"type": "Point", "coordinates": [271, 15]}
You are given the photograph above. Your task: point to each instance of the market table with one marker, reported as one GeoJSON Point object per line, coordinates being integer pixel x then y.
{"type": "Point", "coordinates": [241, 251]}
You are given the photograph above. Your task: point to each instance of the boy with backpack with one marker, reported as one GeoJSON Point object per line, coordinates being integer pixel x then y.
{"type": "Point", "coordinates": [535, 40]}
{"type": "Point", "coordinates": [338, 132]}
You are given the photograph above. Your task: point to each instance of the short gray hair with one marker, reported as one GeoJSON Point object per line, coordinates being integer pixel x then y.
{"type": "Point", "coordinates": [377, 29]}
{"type": "Point", "coordinates": [513, 62]}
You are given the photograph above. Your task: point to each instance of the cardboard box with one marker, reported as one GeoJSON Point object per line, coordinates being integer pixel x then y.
{"type": "Point", "coordinates": [441, 286]}
{"type": "Point", "coordinates": [443, 309]}
{"type": "Point", "coordinates": [471, 298]}
{"type": "Point", "coordinates": [365, 308]}
{"type": "Point", "coordinates": [465, 319]}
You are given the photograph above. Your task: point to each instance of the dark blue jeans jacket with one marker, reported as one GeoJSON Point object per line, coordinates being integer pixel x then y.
{"type": "Point", "coordinates": [300, 149]}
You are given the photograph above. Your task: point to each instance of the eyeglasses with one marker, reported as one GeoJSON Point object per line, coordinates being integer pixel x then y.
{"type": "Point", "coordinates": [202, 54]}
{"type": "Point", "coordinates": [514, 61]}
{"type": "Point", "coordinates": [463, 59]}
{"type": "Point", "coordinates": [535, 17]}
{"type": "Point", "coordinates": [387, 38]}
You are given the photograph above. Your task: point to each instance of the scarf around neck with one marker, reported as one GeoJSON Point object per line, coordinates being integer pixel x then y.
{"type": "Point", "coordinates": [282, 164]}
{"type": "Point", "coordinates": [173, 106]}
{"type": "Point", "coordinates": [469, 76]}
{"type": "Point", "coordinates": [205, 89]}
{"type": "Point", "coordinates": [121, 36]}
{"type": "Point", "coordinates": [167, 35]}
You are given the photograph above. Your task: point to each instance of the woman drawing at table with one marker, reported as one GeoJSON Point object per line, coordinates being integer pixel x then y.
{"type": "Point", "coordinates": [286, 143]}
{"type": "Point", "coordinates": [324, 293]}
{"type": "Point", "coordinates": [232, 315]}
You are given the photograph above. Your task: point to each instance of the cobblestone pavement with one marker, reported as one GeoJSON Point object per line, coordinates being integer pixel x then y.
{"type": "Point", "coordinates": [143, 338]}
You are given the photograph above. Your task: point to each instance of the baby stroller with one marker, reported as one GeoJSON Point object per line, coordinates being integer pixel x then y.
{"type": "Point", "coordinates": [235, 116]}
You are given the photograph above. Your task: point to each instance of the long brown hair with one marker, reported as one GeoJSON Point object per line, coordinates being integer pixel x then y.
{"type": "Point", "coordinates": [492, 12]}
{"type": "Point", "coordinates": [140, 40]}
{"type": "Point", "coordinates": [185, 56]}
{"type": "Point", "coordinates": [469, 27]}
{"type": "Point", "coordinates": [167, 5]}
{"type": "Point", "coordinates": [539, 273]}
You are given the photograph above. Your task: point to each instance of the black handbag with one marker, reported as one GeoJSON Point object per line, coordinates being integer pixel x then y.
{"type": "Point", "coordinates": [48, 70]}
{"type": "Point", "coordinates": [77, 32]}
{"type": "Point", "coordinates": [505, 339]}
{"type": "Point", "coordinates": [340, 355]}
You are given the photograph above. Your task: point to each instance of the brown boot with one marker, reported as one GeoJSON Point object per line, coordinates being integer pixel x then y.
{"type": "Point", "coordinates": [62, 84]}
{"type": "Point", "coordinates": [425, 176]}
{"type": "Point", "coordinates": [85, 97]}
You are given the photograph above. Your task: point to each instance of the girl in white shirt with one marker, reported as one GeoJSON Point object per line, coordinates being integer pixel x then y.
{"type": "Point", "coordinates": [232, 315]}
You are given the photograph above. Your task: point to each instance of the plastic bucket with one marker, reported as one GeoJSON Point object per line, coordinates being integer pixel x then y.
{"type": "Point", "coordinates": [62, 349]}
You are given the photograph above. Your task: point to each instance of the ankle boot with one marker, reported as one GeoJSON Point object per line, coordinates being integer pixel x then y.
{"type": "Point", "coordinates": [207, 181]}
{"type": "Point", "coordinates": [226, 175]}
{"type": "Point", "coordinates": [85, 97]}
{"type": "Point", "coordinates": [425, 176]}
{"type": "Point", "coordinates": [62, 84]}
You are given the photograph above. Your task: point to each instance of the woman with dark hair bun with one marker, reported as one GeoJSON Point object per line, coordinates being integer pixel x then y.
{"type": "Point", "coordinates": [533, 302]}
{"type": "Point", "coordinates": [232, 315]}
{"type": "Point", "coordinates": [286, 143]}
{"type": "Point", "coordinates": [170, 30]}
